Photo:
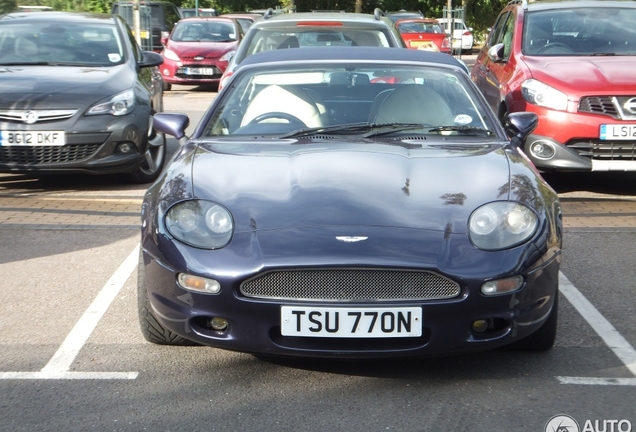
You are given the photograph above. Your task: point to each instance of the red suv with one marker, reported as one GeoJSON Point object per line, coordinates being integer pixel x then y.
{"type": "Point", "coordinates": [572, 63]}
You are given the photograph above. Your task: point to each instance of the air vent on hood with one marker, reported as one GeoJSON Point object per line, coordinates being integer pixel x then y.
{"type": "Point", "coordinates": [315, 137]}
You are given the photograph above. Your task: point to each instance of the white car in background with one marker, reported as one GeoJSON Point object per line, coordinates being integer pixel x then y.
{"type": "Point", "coordinates": [462, 35]}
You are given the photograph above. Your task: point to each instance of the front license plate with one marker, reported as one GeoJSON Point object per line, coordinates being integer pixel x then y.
{"type": "Point", "coordinates": [351, 322]}
{"type": "Point", "coordinates": [618, 132]}
{"type": "Point", "coordinates": [199, 71]}
{"type": "Point", "coordinates": [32, 138]}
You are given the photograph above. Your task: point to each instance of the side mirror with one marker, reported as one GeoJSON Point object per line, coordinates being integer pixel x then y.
{"type": "Point", "coordinates": [496, 53]}
{"type": "Point", "coordinates": [150, 59]}
{"type": "Point", "coordinates": [172, 124]}
{"type": "Point", "coordinates": [520, 124]}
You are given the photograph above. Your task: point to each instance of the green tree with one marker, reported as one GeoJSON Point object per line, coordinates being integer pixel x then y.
{"type": "Point", "coordinates": [7, 6]}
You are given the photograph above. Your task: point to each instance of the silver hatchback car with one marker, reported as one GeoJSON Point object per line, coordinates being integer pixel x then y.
{"type": "Point", "coordinates": [310, 29]}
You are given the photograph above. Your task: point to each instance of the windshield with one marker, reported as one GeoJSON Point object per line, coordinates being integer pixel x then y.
{"type": "Point", "coordinates": [271, 39]}
{"type": "Point", "coordinates": [67, 43]}
{"type": "Point", "coordinates": [350, 98]}
{"type": "Point", "coordinates": [204, 31]}
{"type": "Point", "coordinates": [420, 27]}
{"type": "Point", "coordinates": [580, 31]}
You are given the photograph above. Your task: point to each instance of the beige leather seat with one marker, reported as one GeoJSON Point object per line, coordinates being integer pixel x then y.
{"type": "Point", "coordinates": [414, 103]}
{"type": "Point", "coordinates": [289, 100]}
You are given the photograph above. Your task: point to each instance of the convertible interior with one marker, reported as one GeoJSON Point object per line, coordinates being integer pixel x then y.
{"type": "Point", "coordinates": [278, 105]}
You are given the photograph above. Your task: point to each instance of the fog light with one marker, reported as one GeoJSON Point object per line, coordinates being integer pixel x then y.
{"type": "Point", "coordinates": [542, 149]}
{"type": "Point", "coordinates": [218, 324]}
{"type": "Point", "coordinates": [502, 286]}
{"type": "Point", "coordinates": [199, 284]}
{"type": "Point", "coordinates": [124, 148]}
{"type": "Point", "coordinates": [480, 326]}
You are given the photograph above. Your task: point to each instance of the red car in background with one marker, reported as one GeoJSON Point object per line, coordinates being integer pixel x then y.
{"type": "Point", "coordinates": [424, 34]}
{"type": "Point", "coordinates": [198, 50]}
{"type": "Point", "coordinates": [571, 63]}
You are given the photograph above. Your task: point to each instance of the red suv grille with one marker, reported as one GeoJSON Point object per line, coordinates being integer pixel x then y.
{"type": "Point", "coordinates": [598, 105]}
{"type": "Point", "coordinates": [606, 150]}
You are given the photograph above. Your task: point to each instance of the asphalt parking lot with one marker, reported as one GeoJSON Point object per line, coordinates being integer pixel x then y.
{"type": "Point", "coordinates": [73, 358]}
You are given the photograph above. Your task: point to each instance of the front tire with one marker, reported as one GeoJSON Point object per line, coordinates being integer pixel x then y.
{"type": "Point", "coordinates": [154, 158]}
{"type": "Point", "coordinates": [544, 338]}
{"type": "Point", "coordinates": [151, 329]}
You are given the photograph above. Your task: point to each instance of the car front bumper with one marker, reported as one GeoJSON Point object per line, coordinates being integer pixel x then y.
{"type": "Point", "coordinates": [254, 324]}
{"type": "Point", "coordinates": [192, 73]}
{"type": "Point", "coordinates": [572, 141]}
{"type": "Point", "coordinates": [94, 145]}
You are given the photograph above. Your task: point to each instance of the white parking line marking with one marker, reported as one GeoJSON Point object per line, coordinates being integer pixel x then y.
{"type": "Point", "coordinates": [597, 381]}
{"type": "Point", "coordinates": [59, 365]}
{"type": "Point", "coordinates": [614, 340]}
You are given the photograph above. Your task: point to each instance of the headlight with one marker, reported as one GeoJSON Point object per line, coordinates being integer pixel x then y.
{"type": "Point", "coordinates": [543, 95]}
{"type": "Point", "coordinates": [200, 223]}
{"type": "Point", "coordinates": [171, 55]}
{"type": "Point", "coordinates": [500, 225]}
{"type": "Point", "coordinates": [118, 105]}
{"type": "Point", "coordinates": [227, 56]}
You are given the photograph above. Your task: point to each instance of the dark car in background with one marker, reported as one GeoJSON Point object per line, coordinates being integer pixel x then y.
{"type": "Point", "coordinates": [198, 50]}
{"type": "Point", "coordinates": [157, 20]}
{"type": "Point", "coordinates": [318, 211]}
{"type": "Point", "coordinates": [200, 12]}
{"type": "Point", "coordinates": [315, 29]}
{"type": "Point", "coordinates": [245, 19]}
{"type": "Point", "coordinates": [77, 95]}
{"type": "Point", "coordinates": [395, 16]}
{"type": "Point", "coordinates": [572, 63]}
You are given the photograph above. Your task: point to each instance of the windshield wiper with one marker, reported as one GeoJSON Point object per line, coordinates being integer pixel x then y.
{"type": "Point", "coordinates": [39, 63]}
{"type": "Point", "coordinates": [348, 127]}
{"type": "Point", "coordinates": [465, 130]}
{"type": "Point", "coordinates": [43, 63]}
{"type": "Point", "coordinates": [389, 128]}
{"type": "Point", "coordinates": [354, 128]}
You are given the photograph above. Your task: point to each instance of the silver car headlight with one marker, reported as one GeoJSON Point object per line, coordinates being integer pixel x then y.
{"type": "Point", "coordinates": [543, 95]}
{"type": "Point", "coordinates": [501, 225]}
{"type": "Point", "coordinates": [118, 105]}
{"type": "Point", "coordinates": [200, 223]}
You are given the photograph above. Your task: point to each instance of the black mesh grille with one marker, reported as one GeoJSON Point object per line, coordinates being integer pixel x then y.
{"type": "Point", "coordinates": [598, 105]}
{"type": "Point", "coordinates": [606, 150]}
{"type": "Point", "coordinates": [350, 285]}
{"type": "Point", "coordinates": [41, 155]}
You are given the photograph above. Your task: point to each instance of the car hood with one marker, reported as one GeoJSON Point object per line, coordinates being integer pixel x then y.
{"type": "Point", "coordinates": [205, 49]}
{"type": "Point", "coordinates": [320, 184]}
{"type": "Point", "coordinates": [43, 87]}
{"type": "Point", "coordinates": [580, 76]}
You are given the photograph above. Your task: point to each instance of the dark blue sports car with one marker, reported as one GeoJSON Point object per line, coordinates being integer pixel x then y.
{"type": "Point", "coordinates": [350, 203]}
